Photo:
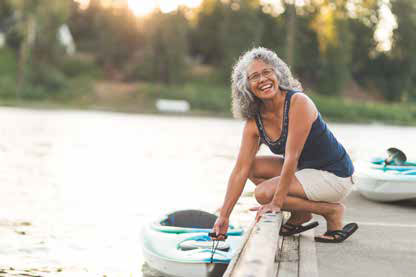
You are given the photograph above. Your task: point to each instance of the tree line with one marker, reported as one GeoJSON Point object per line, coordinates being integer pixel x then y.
{"type": "Point", "coordinates": [328, 43]}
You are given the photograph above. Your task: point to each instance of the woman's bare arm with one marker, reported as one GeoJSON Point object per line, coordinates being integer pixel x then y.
{"type": "Point", "coordinates": [238, 178]}
{"type": "Point", "coordinates": [302, 114]}
{"type": "Point", "coordinates": [241, 171]}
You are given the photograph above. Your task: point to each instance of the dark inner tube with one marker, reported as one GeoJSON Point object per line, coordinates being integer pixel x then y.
{"type": "Point", "coordinates": [191, 219]}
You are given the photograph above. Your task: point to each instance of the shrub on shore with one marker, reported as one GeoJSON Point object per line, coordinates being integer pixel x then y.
{"type": "Point", "coordinates": [216, 99]}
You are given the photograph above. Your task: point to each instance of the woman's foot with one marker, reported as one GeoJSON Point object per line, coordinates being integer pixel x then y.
{"type": "Point", "coordinates": [334, 218]}
{"type": "Point", "coordinates": [295, 221]}
{"type": "Point", "coordinates": [338, 236]}
{"type": "Point", "coordinates": [299, 218]}
{"type": "Point", "coordinates": [290, 230]}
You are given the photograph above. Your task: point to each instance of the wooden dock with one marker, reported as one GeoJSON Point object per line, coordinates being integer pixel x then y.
{"type": "Point", "coordinates": [264, 253]}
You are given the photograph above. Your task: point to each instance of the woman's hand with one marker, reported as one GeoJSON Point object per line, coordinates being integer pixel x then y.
{"type": "Point", "coordinates": [220, 227]}
{"type": "Point", "coordinates": [268, 208]}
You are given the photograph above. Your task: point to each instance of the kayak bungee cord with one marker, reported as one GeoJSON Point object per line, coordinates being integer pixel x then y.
{"type": "Point", "coordinates": [213, 249]}
{"type": "Point", "coordinates": [215, 245]}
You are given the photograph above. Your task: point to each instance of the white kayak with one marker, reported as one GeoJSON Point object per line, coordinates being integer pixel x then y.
{"type": "Point", "coordinates": [178, 245]}
{"type": "Point", "coordinates": [386, 183]}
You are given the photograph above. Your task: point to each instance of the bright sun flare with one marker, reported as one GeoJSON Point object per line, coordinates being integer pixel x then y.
{"type": "Point", "coordinates": [143, 7]}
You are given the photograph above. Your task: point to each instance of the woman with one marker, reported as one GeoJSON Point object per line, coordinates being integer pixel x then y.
{"type": "Point", "coordinates": [314, 172]}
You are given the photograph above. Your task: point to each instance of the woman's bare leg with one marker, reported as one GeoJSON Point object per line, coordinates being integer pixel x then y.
{"type": "Point", "coordinates": [268, 167]}
{"type": "Point", "coordinates": [296, 201]}
{"type": "Point", "coordinates": [264, 168]}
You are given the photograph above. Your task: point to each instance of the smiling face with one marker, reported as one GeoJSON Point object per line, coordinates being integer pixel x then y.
{"type": "Point", "coordinates": [262, 80]}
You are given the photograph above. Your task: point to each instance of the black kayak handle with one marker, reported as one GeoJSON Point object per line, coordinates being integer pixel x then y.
{"type": "Point", "coordinates": [214, 235]}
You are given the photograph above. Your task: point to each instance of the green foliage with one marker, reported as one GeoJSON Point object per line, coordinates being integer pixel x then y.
{"type": "Point", "coordinates": [273, 30]}
{"type": "Point", "coordinates": [241, 30]}
{"type": "Point", "coordinates": [33, 92]}
{"type": "Point", "coordinates": [205, 39]}
{"type": "Point", "coordinates": [362, 45]}
{"type": "Point", "coordinates": [307, 64]}
{"type": "Point", "coordinates": [45, 17]}
{"type": "Point", "coordinates": [333, 72]}
{"type": "Point", "coordinates": [75, 66]}
{"type": "Point", "coordinates": [332, 44]}
{"type": "Point", "coordinates": [112, 35]}
{"type": "Point", "coordinates": [8, 70]}
{"type": "Point", "coordinates": [403, 48]}
{"type": "Point", "coordinates": [6, 10]}
{"type": "Point", "coordinates": [164, 57]}
{"type": "Point", "coordinates": [334, 40]}
{"type": "Point", "coordinates": [337, 109]}
{"type": "Point", "coordinates": [7, 87]}
{"type": "Point", "coordinates": [201, 97]}
{"type": "Point", "coordinates": [394, 73]}
{"type": "Point", "coordinates": [48, 77]}
{"type": "Point", "coordinates": [57, 89]}
{"type": "Point", "coordinates": [8, 64]}
{"type": "Point", "coordinates": [225, 29]}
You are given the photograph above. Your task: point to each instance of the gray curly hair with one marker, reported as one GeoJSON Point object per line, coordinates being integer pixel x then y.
{"type": "Point", "coordinates": [244, 103]}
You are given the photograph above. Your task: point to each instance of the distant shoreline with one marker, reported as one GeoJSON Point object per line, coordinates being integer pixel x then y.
{"type": "Point", "coordinates": [151, 110]}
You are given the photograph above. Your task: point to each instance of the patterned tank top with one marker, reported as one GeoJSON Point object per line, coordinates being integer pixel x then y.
{"type": "Point", "coordinates": [321, 150]}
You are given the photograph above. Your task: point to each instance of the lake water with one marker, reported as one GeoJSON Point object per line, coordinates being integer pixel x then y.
{"type": "Point", "coordinates": [77, 186]}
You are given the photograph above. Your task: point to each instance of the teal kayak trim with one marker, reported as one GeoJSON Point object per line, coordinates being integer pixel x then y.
{"type": "Point", "coordinates": [160, 244]}
{"type": "Point", "coordinates": [405, 166]}
{"type": "Point", "coordinates": [225, 260]}
{"type": "Point", "coordinates": [180, 230]}
{"type": "Point", "coordinates": [196, 238]}
{"type": "Point", "coordinates": [408, 170]}
{"type": "Point", "coordinates": [166, 248]}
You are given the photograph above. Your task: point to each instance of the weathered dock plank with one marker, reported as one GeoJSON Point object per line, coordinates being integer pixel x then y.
{"type": "Point", "coordinates": [263, 253]}
{"type": "Point", "coordinates": [239, 251]}
{"type": "Point", "coordinates": [288, 258]}
{"type": "Point", "coordinates": [257, 254]}
{"type": "Point", "coordinates": [308, 265]}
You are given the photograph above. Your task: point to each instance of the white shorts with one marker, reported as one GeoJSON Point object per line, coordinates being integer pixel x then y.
{"type": "Point", "coordinates": [320, 185]}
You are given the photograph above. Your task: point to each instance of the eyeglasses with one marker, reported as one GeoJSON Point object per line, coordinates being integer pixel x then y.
{"type": "Point", "coordinates": [255, 77]}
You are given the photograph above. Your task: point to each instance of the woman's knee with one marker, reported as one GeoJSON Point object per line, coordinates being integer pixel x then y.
{"type": "Point", "coordinates": [265, 167]}
{"type": "Point", "coordinates": [255, 179]}
{"type": "Point", "coordinates": [264, 193]}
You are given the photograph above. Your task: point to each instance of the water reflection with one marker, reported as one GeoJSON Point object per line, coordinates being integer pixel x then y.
{"type": "Point", "coordinates": [78, 186]}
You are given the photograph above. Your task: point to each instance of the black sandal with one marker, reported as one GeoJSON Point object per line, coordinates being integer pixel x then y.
{"type": "Point", "coordinates": [293, 229]}
{"type": "Point", "coordinates": [339, 235]}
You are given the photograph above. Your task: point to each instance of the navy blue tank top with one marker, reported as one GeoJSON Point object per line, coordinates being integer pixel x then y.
{"type": "Point", "coordinates": [321, 150]}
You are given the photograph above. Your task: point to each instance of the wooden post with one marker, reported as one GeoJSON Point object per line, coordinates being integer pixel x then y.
{"type": "Point", "coordinates": [257, 254]}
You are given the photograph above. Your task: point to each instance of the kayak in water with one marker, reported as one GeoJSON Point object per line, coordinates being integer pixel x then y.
{"type": "Point", "coordinates": [387, 179]}
{"type": "Point", "coordinates": [178, 244]}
